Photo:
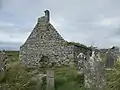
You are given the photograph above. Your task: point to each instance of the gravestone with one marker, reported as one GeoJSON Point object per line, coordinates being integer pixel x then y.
{"type": "Point", "coordinates": [80, 63]}
{"type": "Point", "coordinates": [50, 79]}
{"type": "Point", "coordinates": [110, 59]}
{"type": "Point", "coordinates": [3, 56]}
{"type": "Point", "coordinates": [112, 55]}
{"type": "Point", "coordinates": [41, 82]}
{"type": "Point", "coordinates": [94, 72]}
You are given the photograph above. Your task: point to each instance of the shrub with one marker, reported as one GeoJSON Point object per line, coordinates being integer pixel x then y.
{"type": "Point", "coordinates": [113, 77]}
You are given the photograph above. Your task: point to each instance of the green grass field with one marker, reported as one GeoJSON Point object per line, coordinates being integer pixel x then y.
{"type": "Point", "coordinates": [66, 78]}
{"type": "Point", "coordinates": [18, 78]}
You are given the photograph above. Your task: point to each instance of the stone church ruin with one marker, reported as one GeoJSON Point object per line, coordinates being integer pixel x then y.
{"type": "Point", "coordinates": [45, 45]}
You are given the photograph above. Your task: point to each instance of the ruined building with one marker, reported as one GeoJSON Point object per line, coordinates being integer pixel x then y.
{"type": "Point", "coordinates": [45, 44]}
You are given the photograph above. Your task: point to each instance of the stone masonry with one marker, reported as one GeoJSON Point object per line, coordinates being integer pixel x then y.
{"type": "Point", "coordinates": [111, 56]}
{"type": "Point", "coordinates": [94, 72]}
{"type": "Point", "coordinates": [3, 57]}
{"type": "Point", "coordinates": [45, 42]}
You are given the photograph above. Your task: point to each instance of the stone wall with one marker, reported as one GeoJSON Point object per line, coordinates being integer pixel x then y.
{"type": "Point", "coordinates": [45, 41]}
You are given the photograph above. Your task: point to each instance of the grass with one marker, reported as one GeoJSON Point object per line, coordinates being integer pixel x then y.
{"type": "Point", "coordinates": [19, 78]}
{"type": "Point", "coordinates": [113, 77]}
{"type": "Point", "coordinates": [66, 78]}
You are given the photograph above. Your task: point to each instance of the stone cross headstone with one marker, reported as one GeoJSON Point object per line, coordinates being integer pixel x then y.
{"type": "Point", "coordinates": [80, 63]}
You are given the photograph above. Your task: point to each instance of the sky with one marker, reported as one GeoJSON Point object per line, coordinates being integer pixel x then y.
{"type": "Point", "coordinates": [89, 22]}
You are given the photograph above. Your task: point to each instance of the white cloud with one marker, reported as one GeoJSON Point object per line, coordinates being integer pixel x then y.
{"type": "Point", "coordinates": [113, 22]}
{"type": "Point", "coordinates": [6, 24]}
{"type": "Point", "coordinates": [13, 37]}
{"type": "Point", "coordinates": [83, 21]}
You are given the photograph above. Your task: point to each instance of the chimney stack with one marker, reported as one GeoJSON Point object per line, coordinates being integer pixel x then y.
{"type": "Point", "coordinates": [47, 16]}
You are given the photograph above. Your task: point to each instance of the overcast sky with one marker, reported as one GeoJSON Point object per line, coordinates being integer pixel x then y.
{"type": "Point", "coordinates": [89, 22]}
